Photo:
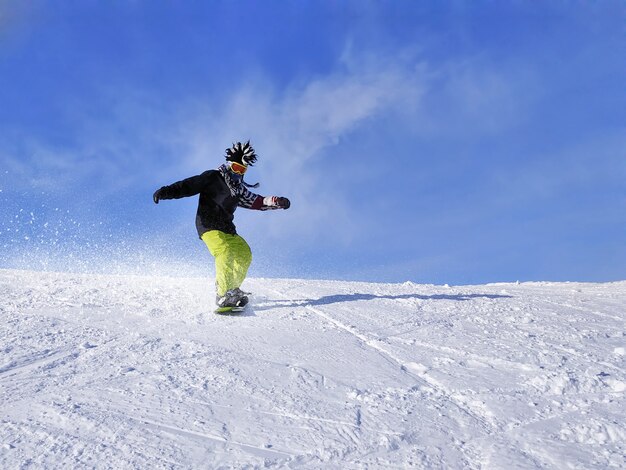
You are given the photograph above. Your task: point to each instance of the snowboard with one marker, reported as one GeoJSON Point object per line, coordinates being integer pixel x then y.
{"type": "Point", "coordinates": [229, 310]}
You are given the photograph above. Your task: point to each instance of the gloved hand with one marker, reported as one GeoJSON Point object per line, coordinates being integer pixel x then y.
{"type": "Point", "coordinates": [158, 194]}
{"type": "Point", "coordinates": [283, 202]}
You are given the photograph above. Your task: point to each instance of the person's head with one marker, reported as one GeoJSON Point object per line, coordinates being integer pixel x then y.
{"type": "Point", "coordinates": [240, 156]}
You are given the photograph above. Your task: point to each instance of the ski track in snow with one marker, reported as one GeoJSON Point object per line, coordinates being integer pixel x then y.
{"type": "Point", "coordinates": [136, 372]}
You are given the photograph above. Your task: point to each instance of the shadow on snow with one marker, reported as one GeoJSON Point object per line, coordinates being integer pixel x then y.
{"type": "Point", "coordinates": [333, 299]}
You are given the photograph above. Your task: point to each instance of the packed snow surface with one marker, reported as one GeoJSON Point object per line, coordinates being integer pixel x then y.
{"type": "Point", "coordinates": [137, 372]}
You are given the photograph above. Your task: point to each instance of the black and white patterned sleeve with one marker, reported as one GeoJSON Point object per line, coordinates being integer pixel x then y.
{"type": "Point", "coordinates": [249, 200]}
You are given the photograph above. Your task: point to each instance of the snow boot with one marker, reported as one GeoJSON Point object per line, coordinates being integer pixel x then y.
{"type": "Point", "coordinates": [232, 298]}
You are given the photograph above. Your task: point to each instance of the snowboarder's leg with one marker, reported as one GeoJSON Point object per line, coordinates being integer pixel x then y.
{"type": "Point", "coordinates": [232, 259]}
{"type": "Point", "coordinates": [242, 260]}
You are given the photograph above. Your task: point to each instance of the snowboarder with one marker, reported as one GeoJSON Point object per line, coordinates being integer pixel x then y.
{"type": "Point", "coordinates": [221, 192]}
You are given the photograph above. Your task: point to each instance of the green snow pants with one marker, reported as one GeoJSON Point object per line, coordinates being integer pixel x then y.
{"type": "Point", "coordinates": [232, 259]}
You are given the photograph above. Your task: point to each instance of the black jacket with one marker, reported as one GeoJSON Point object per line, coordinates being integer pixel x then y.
{"type": "Point", "coordinates": [221, 192]}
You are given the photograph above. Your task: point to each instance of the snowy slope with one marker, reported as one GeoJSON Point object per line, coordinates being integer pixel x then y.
{"type": "Point", "coordinates": [136, 372]}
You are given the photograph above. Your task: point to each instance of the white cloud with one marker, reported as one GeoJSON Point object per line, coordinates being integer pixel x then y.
{"type": "Point", "coordinates": [290, 129]}
{"type": "Point", "coordinates": [144, 141]}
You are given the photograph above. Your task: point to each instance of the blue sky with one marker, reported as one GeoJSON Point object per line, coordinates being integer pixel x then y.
{"type": "Point", "coordinates": [438, 142]}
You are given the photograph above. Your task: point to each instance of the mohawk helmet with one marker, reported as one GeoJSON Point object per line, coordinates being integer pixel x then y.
{"type": "Point", "coordinates": [241, 153]}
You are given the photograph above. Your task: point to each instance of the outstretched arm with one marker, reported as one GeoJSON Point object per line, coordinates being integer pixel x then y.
{"type": "Point", "coordinates": [184, 188]}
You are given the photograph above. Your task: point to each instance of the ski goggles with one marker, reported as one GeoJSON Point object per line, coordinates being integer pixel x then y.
{"type": "Point", "coordinates": [238, 168]}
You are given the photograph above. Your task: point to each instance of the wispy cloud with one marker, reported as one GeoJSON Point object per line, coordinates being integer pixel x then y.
{"type": "Point", "coordinates": [292, 129]}
{"type": "Point", "coordinates": [119, 139]}
{"type": "Point", "coordinates": [138, 139]}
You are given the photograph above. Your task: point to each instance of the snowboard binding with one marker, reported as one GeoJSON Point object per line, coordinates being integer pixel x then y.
{"type": "Point", "coordinates": [233, 301]}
